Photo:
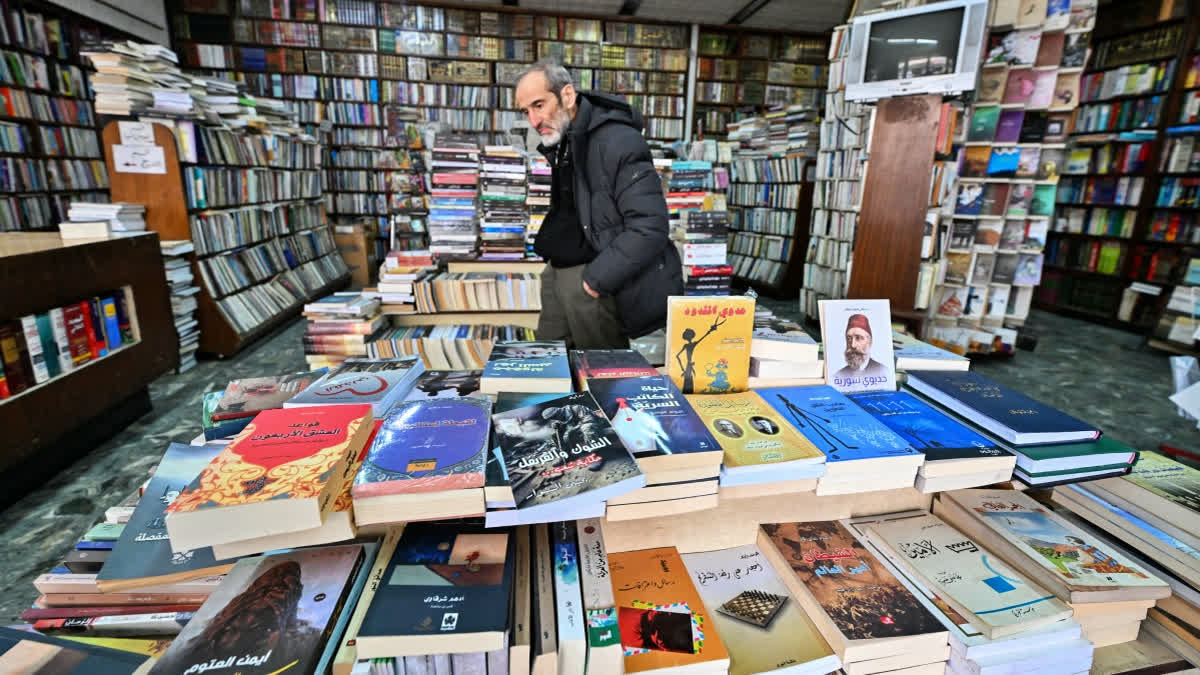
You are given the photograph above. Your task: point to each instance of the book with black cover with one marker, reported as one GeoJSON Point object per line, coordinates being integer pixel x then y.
{"type": "Point", "coordinates": [654, 421]}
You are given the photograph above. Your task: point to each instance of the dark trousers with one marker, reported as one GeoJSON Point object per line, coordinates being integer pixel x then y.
{"type": "Point", "coordinates": [570, 314]}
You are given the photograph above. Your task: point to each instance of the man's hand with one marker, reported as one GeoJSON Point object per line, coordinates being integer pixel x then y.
{"type": "Point", "coordinates": [588, 289]}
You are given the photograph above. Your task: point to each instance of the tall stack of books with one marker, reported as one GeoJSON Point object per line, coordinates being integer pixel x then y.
{"type": "Point", "coordinates": [502, 202]}
{"type": "Point", "coordinates": [129, 77]}
{"type": "Point", "coordinates": [690, 189]}
{"type": "Point", "coordinates": [339, 327]}
{"type": "Point", "coordinates": [453, 226]}
{"type": "Point", "coordinates": [703, 235]}
{"type": "Point", "coordinates": [183, 299]}
{"type": "Point", "coordinates": [538, 199]}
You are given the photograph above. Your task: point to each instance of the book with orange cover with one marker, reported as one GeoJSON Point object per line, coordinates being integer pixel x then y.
{"type": "Point", "coordinates": [281, 474]}
{"type": "Point", "coordinates": [663, 622]}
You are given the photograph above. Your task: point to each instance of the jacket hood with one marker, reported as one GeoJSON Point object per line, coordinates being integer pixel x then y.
{"type": "Point", "coordinates": [597, 107]}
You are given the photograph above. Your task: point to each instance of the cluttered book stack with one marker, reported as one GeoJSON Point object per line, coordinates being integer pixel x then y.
{"type": "Point", "coordinates": [537, 199]}
{"type": "Point", "coordinates": [504, 216]}
{"type": "Point", "coordinates": [183, 299]}
{"type": "Point", "coordinates": [87, 220]}
{"type": "Point", "coordinates": [453, 223]}
{"type": "Point", "coordinates": [339, 327]}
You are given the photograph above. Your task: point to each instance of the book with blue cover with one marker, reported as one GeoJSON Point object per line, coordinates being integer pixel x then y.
{"type": "Point", "coordinates": [528, 366]}
{"type": "Point", "coordinates": [1010, 415]}
{"type": "Point", "coordinates": [927, 429]}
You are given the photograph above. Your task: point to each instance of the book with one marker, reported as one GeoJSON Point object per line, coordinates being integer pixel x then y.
{"type": "Point", "coordinates": [346, 654]}
{"type": "Point", "coordinates": [31, 652]}
{"type": "Point", "coordinates": [527, 366]}
{"type": "Point", "coordinates": [604, 653]}
{"type": "Point", "coordinates": [860, 608]}
{"type": "Point", "coordinates": [755, 438]}
{"type": "Point", "coordinates": [250, 396]}
{"type": "Point", "coordinates": [607, 363]}
{"type": "Point", "coordinates": [271, 612]}
{"type": "Point", "coordinates": [932, 432]}
{"type": "Point", "coordinates": [1005, 413]}
{"type": "Point", "coordinates": [161, 623]}
{"type": "Point", "coordinates": [764, 628]}
{"type": "Point", "coordinates": [446, 592]}
{"type": "Point", "coordinates": [1008, 127]}
{"type": "Point", "coordinates": [377, 382]}
{"type": "Point", "coordinates": [94, 320]}
{"type": "Point", "coordinates": [572, 635]}
{"type": "Point", "coordinates": [854, 359]}
{"type": "Point", "coordinates": [445, 384]}
{"type": "Point", "coordinates": [1168, 489]}
{"type": "Point", "coordinates": [708, 343]}
{"type": "Point", "coordinates": [18, 368]}
{"type": "Point", "coordinates": [427, 461]}
{"type": "Point", "coordinates": [1045, 547]}
{"type": "Point", "coordinates": [562, 454]}
{"type": "Point", "coordinates": [281, 474]}
{"type": "Point", "coordinates": [663, 622]}
{"type": "Point", "coordinates": [142, 555]}
{"type": "Point", "coordinates": [37, 353]}
{"type": "Point", "coordinates": [520, 618]}
{"type": "Point", "coordinates": [1073, 457]}
{"type": "Point", "coordinates": [656, 423]}
{"type": "Point", "coordinates": [45, 335]}
{"type": "Point", "coordinates": [983, 123]}
{"type": "Point", "coordinates": [997, 599]}
{"type": "Point", "coordinates": [782, 340]}
{"type": "Point", "coordinates": [358, 584]}
{"type": "Point", "coordinates": [497, 491]}
{"type": "Point", "coordinates": [112, 327]}
{"type": "Point", "coordinates": [913, 354]}
{"type": "Point", "coordinates": [544, 642]}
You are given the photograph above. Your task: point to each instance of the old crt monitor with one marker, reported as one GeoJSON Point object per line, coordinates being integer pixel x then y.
{"type": "Point", "coordinates": [933, 49]}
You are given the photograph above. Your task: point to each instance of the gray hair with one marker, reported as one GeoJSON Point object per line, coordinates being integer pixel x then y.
{"type": "Point", "coordinates": [556, 75]}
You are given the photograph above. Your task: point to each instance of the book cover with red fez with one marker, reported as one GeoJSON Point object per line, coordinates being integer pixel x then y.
{"type": "Point", "coordinates": [283, 454]}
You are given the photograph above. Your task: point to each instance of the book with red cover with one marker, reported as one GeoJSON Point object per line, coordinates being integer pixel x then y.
{"type": "Point", "coordinates": [15, 356]}
{"type": "Point", "coordinates": [281, 474]}
{"type": "Point", "coordinates": [608, 363]}
{"type": "Point", "coordinates": [95, 344]}
{"type": "Point", "coordinates": [77, 333]}
{"type": "Point", "coordinates": [249, 396]}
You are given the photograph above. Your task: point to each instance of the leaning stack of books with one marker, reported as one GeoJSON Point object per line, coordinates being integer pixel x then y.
{"type": "Point", "coordinates": [399, 271]}
{"type": "Point", "coordinates": [183, 299]}
{"type": "Point", "coordinates": [504, 217]}
{"type": "Point", "coordinates": [537, 199]}
{"type": "Point", "coordinates": [453, 226]}
{"type": "Point", "coordinates": [339, 327]}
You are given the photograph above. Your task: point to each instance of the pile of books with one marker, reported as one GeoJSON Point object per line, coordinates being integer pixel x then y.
{"type": "Point", "coordinates": [133, 78]}
{"type": "Point", "coordinates": [87, 220]}
{"type": "Point", "coordinates": [183, 299]}
{"type": "Point", "coordinates": [504, 216]}
{"type": "Point", "coordinates": [339, 327]}
{"type": "Point", "coordinates": [701, 240]}
{"type": "Point", "coordinates": [537, 199]}
{"type": "Point", "coordinates": [793, 130]}
{"type": "Point", "coordinates": [400, 269]}
{"type": "Point", "coordinates": [703, 237]}
{"type": "Point", "coordinates": [783, 354]}
{"type": "Point", "coordinates": [478, 292]}
{"type": "Point", "coordinates": [453, 226]}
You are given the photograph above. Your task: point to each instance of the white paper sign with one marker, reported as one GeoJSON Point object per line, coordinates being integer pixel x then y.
{"type": "Point", "coordinates": [136, 133]}
{"type": "Point", "coordinates": [139, 159]}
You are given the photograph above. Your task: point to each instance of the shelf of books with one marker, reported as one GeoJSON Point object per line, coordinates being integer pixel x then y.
{"type": "Point", "coordinates": [768, 197]}
{"type": "Point", "coordinates": [250, 204]}
{"type": "Point", "coordinates": [408, 185]}
{"type": "Point", "coordinates": [50, 151]}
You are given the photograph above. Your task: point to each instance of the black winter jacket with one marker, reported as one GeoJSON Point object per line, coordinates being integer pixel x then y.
{"type": "Point", "coordinates": [623, 212]}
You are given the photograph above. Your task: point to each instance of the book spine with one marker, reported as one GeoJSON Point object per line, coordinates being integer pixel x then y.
{"type": "Point", "coordinates": [33, 344]}
{"type": "Point", "coordinates": [112, 327]}
{"type": "Point", "coordinates": [95, 345]}
{"type": "Point", "coordinates": [50, 349]}
{"type": "Point", "coordinates": [14, 356]}
{"type": "Point", "coordinates": [124, 321]}
{"type": "Point", "coordinates": [598, 602]}
{"type": "Point", "coordinates": [168, 623]}
{"type": "Point", "coordinates": [75, 327]}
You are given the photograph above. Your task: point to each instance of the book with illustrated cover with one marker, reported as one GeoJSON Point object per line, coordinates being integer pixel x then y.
{"type": "Point", "coordinates": [983, 124]}
{"type": "Point", "coordinates": [250, 396]}
{"type": "Point", "coordinates": [662, 619]}
{"type": "Point", "coordinates": [563, 453]}
{"type": "Point", "coordinates": [378, 382]}
{"type": "Point", "coordinates": [753, 436]}
{"type": "Point", "coordinates": [653, 418]}
{"type": "Point", "coordinates": [531, 366]}
{"type": "Point", "coordinates": [497, 490]}
{"type": "Point", "coordinates": [836, 426]}
{"type": "Point", "coordinates": [445, 384]}
{"type": "Point", "coordinates": [1008, 127]}
{"type": "Point", "coordinates": [269, 614]}
{"type": "Point", "coordinates": [1162, 486]}
{"type": "Point", "coordinates": [708, 343]}
{"type": "Point", "coordinates": [764, 628]}
{"type": "Point", "coordinates": [927, 429]}
{"type": "Point", "coordinates": [782, 340]}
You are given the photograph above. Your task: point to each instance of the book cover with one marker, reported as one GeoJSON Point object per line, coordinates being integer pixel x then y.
{"type": "Point", "coordinates": [1008, 126]}
{"type": "Point", "coordinates": [835, 425]}
{"type": "Point", "coordinates": [998, 597]}
{"type": "Point", "coordinates": [1033, 127]}
{"type": "Point", "coordinates": [495, 476]}
{"type": "Point", "coordinates": [377, 382]}
{"type": "Point", "coordinates": [567, 593]}
{"type": "Point", "coordinates": [445, 384]}
{"type": "Point", "coordinates": [1043, 89]}
{"type": "Point", "coordinates": [995, 195]}
{"type": "Point", "coordinates": [50, 353]}
{"type": "Point", "coordinates": [93, 316]}
{"type": "Point", "coordinates": [771, 330]}
{"type": "Point", "coordinates": [1060, 549]}
{"type": "Point", "coordinates": [991, 85]}
{"type": "Point", "coordinates": [58, 324]}
{"type": "Point", "coordinates": [983, 124]}
{"type": "Point", "coordinates": [77, 334]}
{"type": "Point", "coordinates": [907, 347]}
{"type": "Point", "coordinates": [974, 161]}
{"type": "Point", "coordinates": [970, 198]}
{"type": "Point", "coordinates": [528, 360]}
{"type": "Point", "coordinates": [1174, 481]}
{"type": "Point", "coordinates": [599, 604]}
{"type": "Point", "coordinates": [608, 363]}
{"type": "Point", "coordinates": [428, 446]}
{"type": "Point", "coordinates": [862, 598]}
{"type": "Point", "coordinates": [250, 396]}
{"type": "Point", "coordinates": [442, 579]}
{"type": "Point", "coordinates": [925, 428]}
{"type": "Point", "coordinates": [854, 359]}
{"type": "Point", "coordinates": [992, 400]}
{"type": "Point", "coordinates": [1020, 85]}
{"type": "Point", "coordinates": [31, 652]}
{"type": "Point", "coordinates": [269, 615]}
{"type": "Point", "coordinates": [663, 621]}
{"type": "Point", "coordinates": [17, 365]}
{"type": "Point", "coordinates": [651, 416]}
{"type": "Point", "coordinates": [750, 432]}
{"type": "Point", "coordinates": [763, 627]}
{"type": "Point", "coordinates": [282, 454]}
{"type": "Point", "coordinates": [1028, 163]}
{"type": "Point", "coordinates": [112, 327]}
{"type": "Point", "coordinates": [1029, 270]}
{"type": "Point", "coordinates": [708, 343]}
{"type": "Point", "coordinates": [561, 449]}
{"type": "Point", "coordinates": [1002, 164]}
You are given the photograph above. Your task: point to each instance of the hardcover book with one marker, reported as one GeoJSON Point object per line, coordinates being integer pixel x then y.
{"type": "Point", "coordinates": [653, 418]}
{"type": "Point", "coordinates": [250, 396]}
{"type": "Point", "coordinates": [753, 435]}
{"type": "Point", "coordinates": [608, 363]}
{"type": "Point", "coordinates": [836, 426]}
{"type": "Point", "coordinates": [1011, 415]}
{"type": "Point", "coordinates": [281, 474]}
{"type": "Point", "coordinates": [527, 366]}
{"type": "Point", "coordinates": [708, 343]}
{"type": "Point", "coordinates": [428, 446]}
{"type": "Point", "coordinates": [1000, 600]}
{"type": "Point", "coordinates": [763, 627]}
{"type": "Point", "coordinates": [663, 621]}
{"type": "Point", "coordinates": [563, 454]}
{"type": "Point", "coordinates": [269, 615]}
{"type": "Point", "coordinates": [446, 590]}
{"type": "Point", "coordinates": [925, 428]}
{"type": "Point", "coordinates": [378, 382]}
{"type": "Point", "coordinates": [142, 555]}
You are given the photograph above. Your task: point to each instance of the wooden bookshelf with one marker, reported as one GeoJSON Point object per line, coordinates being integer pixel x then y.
{"type": "Point", "coordinates": [786, 284]}
{"type": "Point", "coordinates": [304, 278]}
{"type": "Point", "coordinates": [525, 319]}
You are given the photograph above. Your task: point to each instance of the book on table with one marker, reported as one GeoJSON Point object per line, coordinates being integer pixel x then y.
{"type": "Point", "coordinates": [249, 396]}
{"type": "Point", "coordinates": [527, 367]}
{"type": "Point", "coordinates": [378, 382]}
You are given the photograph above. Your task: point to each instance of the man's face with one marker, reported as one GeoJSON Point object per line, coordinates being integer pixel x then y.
{"type": "Point", "coordinates": [858, 347]}
{"type": "Point", "coordinates": [548, 114]}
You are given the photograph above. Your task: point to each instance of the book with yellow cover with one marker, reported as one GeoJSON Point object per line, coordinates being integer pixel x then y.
{"type": "Point", "coordinates": [753, 435]}
{"type": "Point", "coordinates": [663, 622]}
{"type": "Point", "coordinates": [708, 343]}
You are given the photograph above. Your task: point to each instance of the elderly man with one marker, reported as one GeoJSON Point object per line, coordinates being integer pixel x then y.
{"type": "Point", "coordinates": [858, 351]}
{"type": "Point", "coordinates": [611, 264]}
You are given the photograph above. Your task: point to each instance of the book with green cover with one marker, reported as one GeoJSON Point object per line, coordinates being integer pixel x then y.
{"type": "Point", "coordinates": [983, 123]}
{"type": "Point", "coordinates": [1102, 452]}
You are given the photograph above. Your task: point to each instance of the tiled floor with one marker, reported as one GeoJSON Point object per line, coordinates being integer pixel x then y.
{"type": "Point", "coordinates": [1094, 373]}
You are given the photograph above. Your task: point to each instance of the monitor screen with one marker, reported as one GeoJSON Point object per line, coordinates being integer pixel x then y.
{"type": "Point", "coordinates": [914, 46]}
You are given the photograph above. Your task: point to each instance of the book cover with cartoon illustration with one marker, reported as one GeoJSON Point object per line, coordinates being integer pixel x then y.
{"type": "Point", "coordinates": [708, 343]}
{"type": "Point", "coordinates": [652, 417]}
{"type": "Point", "coordinates": [861, 597]}
{"type": "Point", "coordinates": [835, 425]}
{"type": "Point", "coordinates": [1056, 546]}
{"type": "Point", "coordinates": [663, 621]}
{"type": "Point", "coordinates": [763, 627]}
{"type": "Point", "coordinates": [750, 432]}
{"type": "Point", "coordinates": [269, 615]}
{"type": "Point", "coordinates": [925, 428]}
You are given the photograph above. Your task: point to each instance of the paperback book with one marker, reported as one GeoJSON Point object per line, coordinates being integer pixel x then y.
{"type": "Point", "coordinates": [445, 384]}
{"type": "Point", "coordinates": [652, 418]}
{"type": "Point", "coordinates": [378, 382]}
{"type": "Point", "coordinates": [527, 366]}
{"type": "Point", "coordinates": [708, 343]}
{"type": "Point", "coordinates": [756, 438]}
{"type": "Point", "coordinates": [925, 428]}
{"type": "Point", "coordinates": [250, 396]}
{"type": "Point", "coordinates": [608, 363]}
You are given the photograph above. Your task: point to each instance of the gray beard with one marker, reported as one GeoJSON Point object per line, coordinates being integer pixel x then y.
{"type": "Point", "coordinates": [855, 359]}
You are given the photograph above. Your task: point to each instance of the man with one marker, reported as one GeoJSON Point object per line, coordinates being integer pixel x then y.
{"type": "Point", "coordinates": [858, 350]}
{"type": "Point", "coordinates": [611, 264]}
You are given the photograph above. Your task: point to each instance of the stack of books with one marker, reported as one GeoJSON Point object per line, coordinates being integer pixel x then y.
{"type": "Point", "coordinates": [913, 354]}
{"type": "Point", "coordinates": [92, 220]}
{"type": "Point", "coordinates": [783, 355]}
{"type": "Point", "coordinates": [340, 326]}
{"type": "Point", "coordinates": [504, 217]}
{"type": "Point", "coordinates": [451, 347]}
{"type": "Point", "coordinates": [537, 199]}
{"type": "Point", "coordinates": [128, 74]}
{"type": "Point", "coordinates": [399, 271]}
{"type": "Point", "coordinates": [478, 292]}
{"type": "Point", "coordinates": [704, 230]}
{"type": "Point", "coordinates": [183, 299]}
{"type": "Point", "coordinates": [690, 188]}
{"type": "Point", "coordinates": [453, 227]}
